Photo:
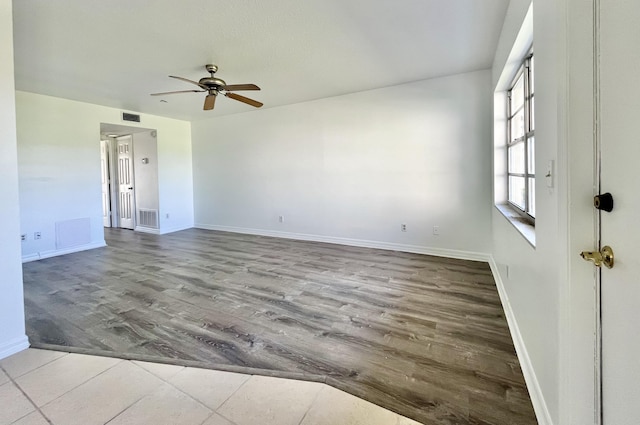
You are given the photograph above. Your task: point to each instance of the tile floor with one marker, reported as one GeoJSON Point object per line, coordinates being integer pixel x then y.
{"type": "Point", "coordinates": [52, 387]}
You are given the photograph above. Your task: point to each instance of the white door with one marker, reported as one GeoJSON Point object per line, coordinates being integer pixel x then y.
{"type": "Point", "coordinates": [619, 113]}
{"type": "Point", "coordinates": [106, 191]}
{"type": "Point", "coordinates": [126, 207]}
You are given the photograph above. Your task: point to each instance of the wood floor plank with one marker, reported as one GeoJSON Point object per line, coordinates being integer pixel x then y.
{"type": "Point", "coordinates": [423, 336]}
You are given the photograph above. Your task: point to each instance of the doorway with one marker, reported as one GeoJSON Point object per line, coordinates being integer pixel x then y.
{"type": "Point", "coordinates": [129, 178]}
{"type": "Point", "coordinates": [118, 184]}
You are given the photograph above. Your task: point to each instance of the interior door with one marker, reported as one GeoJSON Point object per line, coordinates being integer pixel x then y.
{"type": "Point", "coordinates": [106, 190]}
{"type": "Point", "coordinates": [619, 112]}
{"type": "Point", "coordinates": [126, 206]}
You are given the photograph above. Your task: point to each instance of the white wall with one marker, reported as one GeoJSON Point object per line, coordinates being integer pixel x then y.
{"type": "Point", "coordinates": [59, 168]}
{"type": "Point", "coordinates": [12, 332]}
{"type": "Point", "coordinates": [537, 277]}
{"type": "Point", "coordinates": [353, 168]}
{"type": "Point", "coordinates": [146, 175]}
{"type": "Point", "coordinates": [532, 282]}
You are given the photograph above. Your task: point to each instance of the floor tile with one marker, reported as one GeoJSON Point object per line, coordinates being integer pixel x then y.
{"type": "Point", "coordinates": [62, 375]}
{"type": "Point", "coordinates": [334, 406]}
{"type": "Point", "coordinates": [270, 401]}
{"type": "Point", "coordinates": [162, 371]}
{"type": "Point", "coordinates": [210, 387]}
{"type": "Point", "coordinates": [28, 360]}
{"type": "Point", "coordinates": [216, 419]}
{"type": "Point", "coordinates": [33, 418]}
{"type": "Point", "coordinates": [166, 405]}
{"type": "Point", "coordinates": [14, 404]}
{"type": "Point", "coordinates": [3, 377]}
{"type": "Point", "coordinates": [115, 390]}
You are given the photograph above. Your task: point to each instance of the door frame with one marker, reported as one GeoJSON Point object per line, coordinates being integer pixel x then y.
{"type": "Point", "coordinates": [107, 152]}
{"type": "Point", "coordinates": [112, 153]}
{"type": "Point", "coordinates": [113, 187]}
{"type": "Point", "coordinates": [579, 368]}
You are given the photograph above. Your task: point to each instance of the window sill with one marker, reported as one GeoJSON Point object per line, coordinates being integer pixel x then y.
{"type": "Point", "coordinates": [527, 230]}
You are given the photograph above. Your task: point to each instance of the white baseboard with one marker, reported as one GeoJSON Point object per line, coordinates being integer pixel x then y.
{"type": "Point", "coordinates": [56, 252]}
{"type": "Point", "coordinates": [389, 246]}
{"type": "Point", "coordinates": [14, 346]}
{"type": "Point", "coordinates": [175, 229]}
{"type": "Point", "coordinates": [535, 392]}
{"type": "Point", "coordinates": [147, 230]}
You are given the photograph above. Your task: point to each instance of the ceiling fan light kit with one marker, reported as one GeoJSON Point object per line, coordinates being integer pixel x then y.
{"type": "Point", "coordinates": [214, 85]}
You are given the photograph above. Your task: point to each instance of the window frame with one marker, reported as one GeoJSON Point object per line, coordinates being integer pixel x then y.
{"type": "Point", "coordinates": [526, 73]}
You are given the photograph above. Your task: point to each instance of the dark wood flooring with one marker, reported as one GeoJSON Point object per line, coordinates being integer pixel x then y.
{"type": "Point", "coordinates": [423, 336]}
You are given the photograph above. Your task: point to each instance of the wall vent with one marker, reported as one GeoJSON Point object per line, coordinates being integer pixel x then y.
{"type": "Point", "coordinates": [148, 218]}
{"type": "Point", "coordinates": [130, 117]}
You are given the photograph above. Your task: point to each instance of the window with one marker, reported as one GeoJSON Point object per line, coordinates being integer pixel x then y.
{"type": "Point", "coordinates": [521, 142]}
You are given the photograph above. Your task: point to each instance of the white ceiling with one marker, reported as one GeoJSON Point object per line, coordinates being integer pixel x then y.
{"type": "Point", "coordinates": [117, 52]}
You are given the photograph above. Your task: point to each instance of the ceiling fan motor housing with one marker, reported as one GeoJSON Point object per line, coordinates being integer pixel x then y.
{"type": "Point", "coordinates": [212, 83]}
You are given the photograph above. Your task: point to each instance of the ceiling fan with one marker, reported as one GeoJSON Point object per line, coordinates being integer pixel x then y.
{"type": "Point", "coordinates": [213, 86]}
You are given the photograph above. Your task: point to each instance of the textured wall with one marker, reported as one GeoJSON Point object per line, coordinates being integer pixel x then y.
{"type": "Point", "coordinates": [355, 167]}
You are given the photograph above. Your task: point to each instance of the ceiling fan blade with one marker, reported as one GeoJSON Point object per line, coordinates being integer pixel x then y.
{"type": "Point", "coordinates": [174, 92]}
{"type": "Point", "coordinates": [209, 102]}
{"type": "Point", "coordinates": [190, 81]}
{"type": "Point", "coordinates": [244, 99]}
{"type": "Point", "coordinates": [238, 87]}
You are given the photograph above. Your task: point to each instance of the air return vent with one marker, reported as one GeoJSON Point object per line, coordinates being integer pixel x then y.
{"type": "Point", "coordinates": [130, 117]}
{"type": "Point", "coordinates": [148, 218]}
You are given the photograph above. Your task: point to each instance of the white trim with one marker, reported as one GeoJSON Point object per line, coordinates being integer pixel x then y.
{"type": "Point", "coordinates": [14, 346]}
{"type": "Point", "coordinates": [389, 246]}
{"type": "Point", "coordinates": [535, 392]}
{"type": "Point", "coordinates": [57, 252]}
{"type": "Point", "coordinates": [528, 231]}
{"type": "Point", "coordinates": [143, 229]}
{"type": "Point", "coordinates": [174, 229]}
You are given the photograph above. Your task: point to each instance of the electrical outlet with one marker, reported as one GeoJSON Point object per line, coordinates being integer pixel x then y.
{"type": "Point", "coordinates": [166, 215]}
{"type": "Point", "coordinates": [281, 219]}
{"type": "Point", "coordinates": [403, 227]}
{"type": "Point", "coordinates": [436, 230]}
{"type": "Point", "coordinates": [37, 235]}
{"type": "Point", "coordinates": [23, 237]}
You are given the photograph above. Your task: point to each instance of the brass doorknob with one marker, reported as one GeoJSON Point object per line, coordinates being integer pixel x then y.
{"type": "Point", "coordinates": [605, 256]}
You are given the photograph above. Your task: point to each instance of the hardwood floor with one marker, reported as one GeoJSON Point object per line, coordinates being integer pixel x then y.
{"type": "Point", "coordinates": [423, 336]}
